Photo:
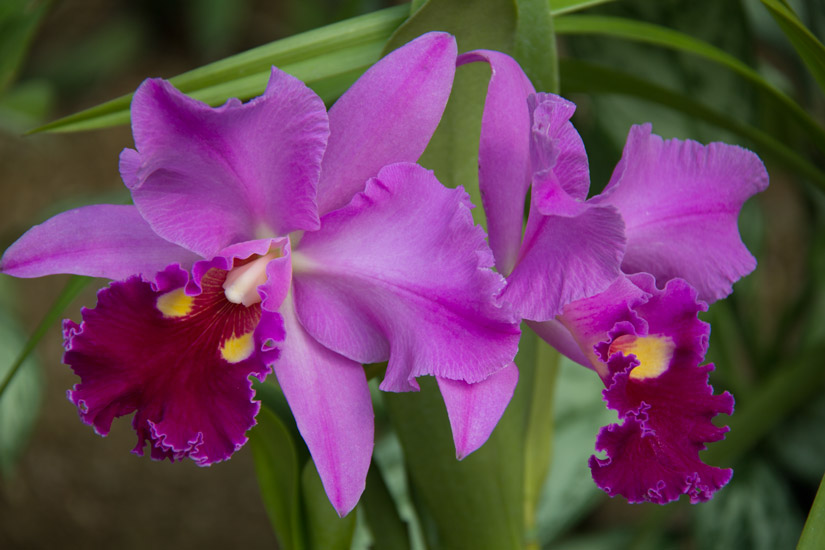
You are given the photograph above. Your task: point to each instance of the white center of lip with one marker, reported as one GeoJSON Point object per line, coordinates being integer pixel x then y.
{"type": "Point", "coordinates": [241, 285]}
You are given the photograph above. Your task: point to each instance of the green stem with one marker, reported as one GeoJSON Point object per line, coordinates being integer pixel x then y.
{"type": "Point", "coordinates": [538, 439]}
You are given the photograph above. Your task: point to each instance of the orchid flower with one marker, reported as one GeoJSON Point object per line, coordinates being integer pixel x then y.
{"type": "Point", "coordinates": [274, 235]}
{"type": "Point", "coordinates": [616, 281]}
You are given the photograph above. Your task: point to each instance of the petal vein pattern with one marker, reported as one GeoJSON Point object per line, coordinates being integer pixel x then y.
{"type": "Point", "coordinates": [680, 201]}
{"type": "Point", "coordinates": [206, 178]}
{"type": "Point", "coordinates": [402, 273]}
{"type": "Point", "coordinates": [174, 360]}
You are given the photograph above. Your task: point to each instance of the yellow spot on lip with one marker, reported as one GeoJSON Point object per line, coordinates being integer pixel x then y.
{"type": "Point", "coordinates": [175, 303]}
{"type": "Point", "coordinates": [653, 353]}
{"type": "Point", "coordinates": [237, 348]}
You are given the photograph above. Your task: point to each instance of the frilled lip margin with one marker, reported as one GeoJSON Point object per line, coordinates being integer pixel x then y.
{"type": "Point", "coordinates": [664, 401]}
{"type": "Point", "coordinates": [183, 363]}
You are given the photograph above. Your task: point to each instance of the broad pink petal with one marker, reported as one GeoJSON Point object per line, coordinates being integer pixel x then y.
{"type": "Point", "coordinates": [190, 396]}
{"type": "Point", "coordinates": [330, 400]}
{"type": "Point", "coordinates": [111, 241]}
{"type": "Point", "coordinates": [564, 258]}
{"type": "Point", "coordinates": [402, 274]}
{"type": "Point", "coordinates": [504, 153]}
{"type": "Point", "coordinates": [206, 177]}
{"type": "Point", "coordinates": [387, 116]}
{"type": "Point", "coordinates": [475, 409]}
{"type": "Point", "coordinates": [680, 201]}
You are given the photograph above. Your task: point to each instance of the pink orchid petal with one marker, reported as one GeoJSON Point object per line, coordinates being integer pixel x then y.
{"type": "Point", "coordinates": [402, 274]}
{"type": "Point", "coordinates": [563, 259]}
{"type": "Point", "coordinates": [504, 153]}
{"type": "Point", "coordinates": [557, 335]}
{"type": "Point", "coordinates": [206, 177]}
{"type": "Point", "coordinates": [330, 399]}
{"type": "Point", "coordinates": [475, 409]}
{"type": "Point", "coordinates": [387, 116]}
{"type": "Point", "coordinates": [572, 249]}
{"type": "Point", "coordinates": [680, 201]}
{"type": "Point", "coordinates": [111, 241]}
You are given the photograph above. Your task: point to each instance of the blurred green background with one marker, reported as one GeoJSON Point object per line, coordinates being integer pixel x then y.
{"type": "Point", "coordinates": [63, 486]}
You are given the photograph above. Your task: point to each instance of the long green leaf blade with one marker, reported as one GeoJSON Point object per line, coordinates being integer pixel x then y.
{"type": "Point", "coordinates": [628, 29]}
{"type": "Point", "coordinates": [804, 42]}
{"type": "Point", "coordinates": [477, 502]}
{"type": "Point", "coordinates": [276, 464]}
{"type": "Point", "coordinates": [70, 292]}
{"type": "Point", "coordinates": [540, 378]}
{"type": "Point", "coordinates": [579, 76]}
{"type": "Point", "coordinates": [387, 528]}
{"type": "Point", "coordinates": [813, 535]}
{"type": "Point", "coordinates": [338, 48]}
{"type": "Point", "coordinates": [535, 44]}
{"type": "Point", "coordinates": [325, 529]}
{"type": "Point", "coordinates": [560, 7]}
{"type": "Point", "coordinates": [328, 59]}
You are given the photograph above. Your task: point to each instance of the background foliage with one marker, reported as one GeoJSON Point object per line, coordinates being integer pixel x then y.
{"type": "Point", "coordinates": [742, 71]}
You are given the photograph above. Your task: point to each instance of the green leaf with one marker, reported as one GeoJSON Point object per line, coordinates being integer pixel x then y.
{"type": "Point", "coordinates": [756, 511]}
{"type": "Point", "coordinates": [70, 292]}
{"type": "Point", "coordinates": [19, 20]}
{"type": "Point", "coordinates": [792, 384]}
{"type": "Point", "coordinates": [326, 530]}
{"type": "Point", "coordinates": [539, 378]}
{"type": "Point", "coordinates": [474, 503]}
{"type": "Point", "coordinates": [276, 464]}
{"type": "Point", "coordinates": [20, 404]}
{"type": "Point", "coordinates": [328, 59]}
{"type": "Point", "coordinates": [387, 528]}
{"type": "Point", "coordinates": [560, 7]}
{"type": "Point", "coordinates": [535, 44]}
{"type": "Point", "coordinates": [453, 150]}
{"type": "Point", "coordinates": [804, 42]}
{"type": "Point", "coordinates": [813, 535]}
{"type": "Point", "coordinates": [579, 76]}
{"type": "Point", "coordinates": [628, 29]}
{"type": "Point", "coordinates": [799, 442]}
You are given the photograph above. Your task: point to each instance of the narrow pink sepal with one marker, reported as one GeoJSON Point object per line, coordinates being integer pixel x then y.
{"type": "Point", "coordinates": [387, 116]}
{"type": "Point", "coordinates": [475, 409]}
{"type": "Point", "coordinates": [504, 153]}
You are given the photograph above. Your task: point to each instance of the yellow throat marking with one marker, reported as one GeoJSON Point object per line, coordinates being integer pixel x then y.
{"type": "Point", "coordinates": [237, 348]}
{"type": "Point", "coordinates": [175, 303]}
{"type": "Point", "coordinates": [653, 353]}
